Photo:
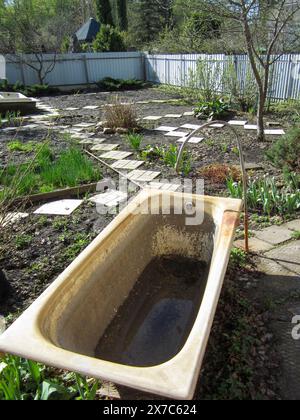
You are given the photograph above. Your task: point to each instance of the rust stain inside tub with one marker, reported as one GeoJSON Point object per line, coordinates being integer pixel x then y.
{"type": "Point", "coordinates": [154, 322]}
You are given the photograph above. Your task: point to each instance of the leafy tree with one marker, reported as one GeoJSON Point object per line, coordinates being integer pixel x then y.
{"type": "Point", "coordinates": [104, 12]}
{"type": "Point", "coordinates": [108, 39]}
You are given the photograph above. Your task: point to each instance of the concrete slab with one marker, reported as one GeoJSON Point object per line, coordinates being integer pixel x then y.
{"type": "Point", "coordinates": [189, 114]}
{"type": "Point", "coordinates": [177, 134]}
{"type": "Point", "coordinates": [166, 128]}
{"type": "Point", "coordinates": [143, 176]}
{"type": "Point", "coordinates": [193, 140]}
{"type": "Point", "coordinates": [255, 245]}
{"type": "Point", "coordinates": [59, 208]}
{"type": "Point", "coordinates": [293, 225]}
{"type": "Point", "coordinates": [152, 118]}
{"type": "Point", "coordinates": [164, 186]}
{"type": "Point", "coordinates": [238, 123]}
{"type": "Point", "coordinates": [128, 164]}
{"type": "Point", "coordinates": [116, 155]}
{"type": "Point", "coordinates": [250, 127]}
{"type": "Point", "coordinates": [84, 125]}
{"type": "Point", "coordinates": [109, 199]}
{"type": "Point", "coordinates": [275, 132]}
{"type": "Point", "coordinates": [274, 235]}
{"type": "Point", "coordinates": [173, 116]}
{"type": "Point", "coordinates": [217, 125]}
{"type": "Point", "coordinates": [191, 126]}
{"type": "Point", "coordinates": [104, 147]}
{"type": "Point", "coordinates": [91, 107]}
{"type": "Point", "coordinates": [92, 141]}
{"type": "Point", "coordinates": [288, 256]}
{"type": "Point", "coordinates": [72, 109]}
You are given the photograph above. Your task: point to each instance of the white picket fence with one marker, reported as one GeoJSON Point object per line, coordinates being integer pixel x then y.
{"type": "Point", "coordinates": [172, 69]}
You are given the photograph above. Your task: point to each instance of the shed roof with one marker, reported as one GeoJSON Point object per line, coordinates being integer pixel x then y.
{"type": "Point", "coordinates": [89, 31]}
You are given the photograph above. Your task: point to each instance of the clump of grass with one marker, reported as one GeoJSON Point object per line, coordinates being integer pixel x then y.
{"type": "Point", "coordinates": [70, 169]}
{"type": "Point", "coordinates": [23, 241]}
{"type": "Point", "coordinates": [135, 140]}
{"type": "Point", "coordinates": [219, 173]}
{"type": "Point", "coordinates": [296, 235]}
{"type": "Point", "coordinates": [120, 115]}
{"type": "Point", "coordinates": [18, 146]}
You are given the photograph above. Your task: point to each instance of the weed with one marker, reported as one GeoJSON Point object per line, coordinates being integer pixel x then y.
{"type": "Point", "coordinates": [18, 146]}
{"type": "Point", "coordinates": [238, 258]}
{"type": "Point", "coordinates": [134, 140]}
{"type": "Point", "coordinates": [296, 235]}
{"type": "Point", "coordinates": [211, 110]}
{"type": "Point", "coordinates": [80, 241]}
{"type": "Point", "coordinates": [120, 115]}
{"type": "Point", "coordinates": [23, 241]}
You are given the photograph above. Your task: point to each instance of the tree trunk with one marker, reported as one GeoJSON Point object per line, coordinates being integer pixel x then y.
{"type": "Point", "coordinates": [260, 117]}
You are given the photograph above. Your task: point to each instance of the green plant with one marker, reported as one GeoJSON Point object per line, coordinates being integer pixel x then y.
{"type": "Point", "coordinates": [108, 39]}
{"type": "Point", "coordinates": [120, 115]}
{"type": "Point", "coordinates": [238, 258]}
{"type": "Point", "coordinates": [206, 81]}
{"type": "Point", "coordinates": [135, 140]}
{"type": "Point", "coordinates": [112, 85]}
{"type": "Point", "coordinates": [296, 235]}
{"type": "Point", "coordinates": [265, 196]}
{"type": "Point", "coordinates": [79, 242]}
{"type": "Point", "coordinates": [22, 379]}
{"type": "Point", "coordinates": [212, 110]}
{"type": "Point", "coordinates": [286, 150]}
{"type": "Point", "coordinates": [18, 146]}
{"type": "Point", "coordinates": [152, 153]}
{"type": "Point", "coordinates": [23, 241]}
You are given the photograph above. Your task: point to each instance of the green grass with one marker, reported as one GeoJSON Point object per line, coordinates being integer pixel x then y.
{"type": "Point", "coordinates": [296, 235]}
{"type": "Point", "coordinates": [134, 140]}
{"type": "Point", "coordinates": [18, 146]}
{"type": "Point", "coordinates": [47, 173]}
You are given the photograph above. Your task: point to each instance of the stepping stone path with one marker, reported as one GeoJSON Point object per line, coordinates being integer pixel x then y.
{"type": "Point", "coordinates": [143, 176]}
{"type": "Point", "coordinates": [59, 208]}
{"type": "Point", "coordinates": [109, 199]}
{"type": "Point", "coordinates": [116, 155]}
{"type": "Point", "coordinates": [128, 164]}
{"type": "Point", "coordinates": [105, 147]}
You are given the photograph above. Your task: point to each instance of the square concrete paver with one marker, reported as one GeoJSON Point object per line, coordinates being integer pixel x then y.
{"type": "Point", "coordinates": [176, 134]}
{"type": "Point", "coordinates": [164, 186]}
{"type": "Point", "coordinates": [250, 127]}
{"type": "Point", "coordinates": [92, 141]}
{"type": "Point", "coordinates": [104, 147]}
{"type": "Point", "coordinates": [173, 116]}
{"type": "Point", "coordinates": [166, 128]}
{"type": "Point", "coordinates": [110, 198]}
{"type": "Point", "coordinates": [128, 164]}
{"type": "Point", "coordinates": [274, 235]}
{"type": "Point", "coordinates": [191, 126]}
{"type": "Point", "coordinates": [116, 155]}
{"type": "Point", "coordinates": [238, 123]}
{"type": "Point", "coordinates": [288, 256]}
{"type": "Point", "coordinates": [217, 125]}
{"type": "Point", "coordinates": [189, 114]}
{"type": "Point", "coordinates": [84, 125]}
{"type": "Point", "coordinates": [293, 225]}
{"type": "Point", "coordinates": [59, 208]}
{"type": "Point", "coordinates": [152, 118]}
{"type": "Point", "coordinates": [91, 107]}
{"type": "Point", "coordinates": [275, 132]}
{"type": "Point", "coordinates": [143, 176]}
{"type": "Point", "coordinates": [11, 218]}
{"type": "Point", "coordinates": [255, 245]}
{"type": "Point", "coordinates": [72, 109]}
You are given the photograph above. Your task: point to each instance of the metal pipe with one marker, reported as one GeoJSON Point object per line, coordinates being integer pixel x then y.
{"type": "Point", "coordinates": [242, 164]}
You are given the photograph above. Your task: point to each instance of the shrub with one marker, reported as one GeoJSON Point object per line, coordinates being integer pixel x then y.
{"type": "Point", "coordinates": [216, 109]}
{"type": "Point", "coordinates": [108, 39]}
{"type": "Point", "coordinates": [120, 115]}
{"type": "Point", "coordinates": [112, 85]}
{"type": "Point", "coordinates": [286, 151]}
{"type": "Point", "coordinates": [219, 173]}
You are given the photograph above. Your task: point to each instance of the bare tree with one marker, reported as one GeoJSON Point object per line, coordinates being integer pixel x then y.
{"type": "Point", "coordinates": [269, 29]}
